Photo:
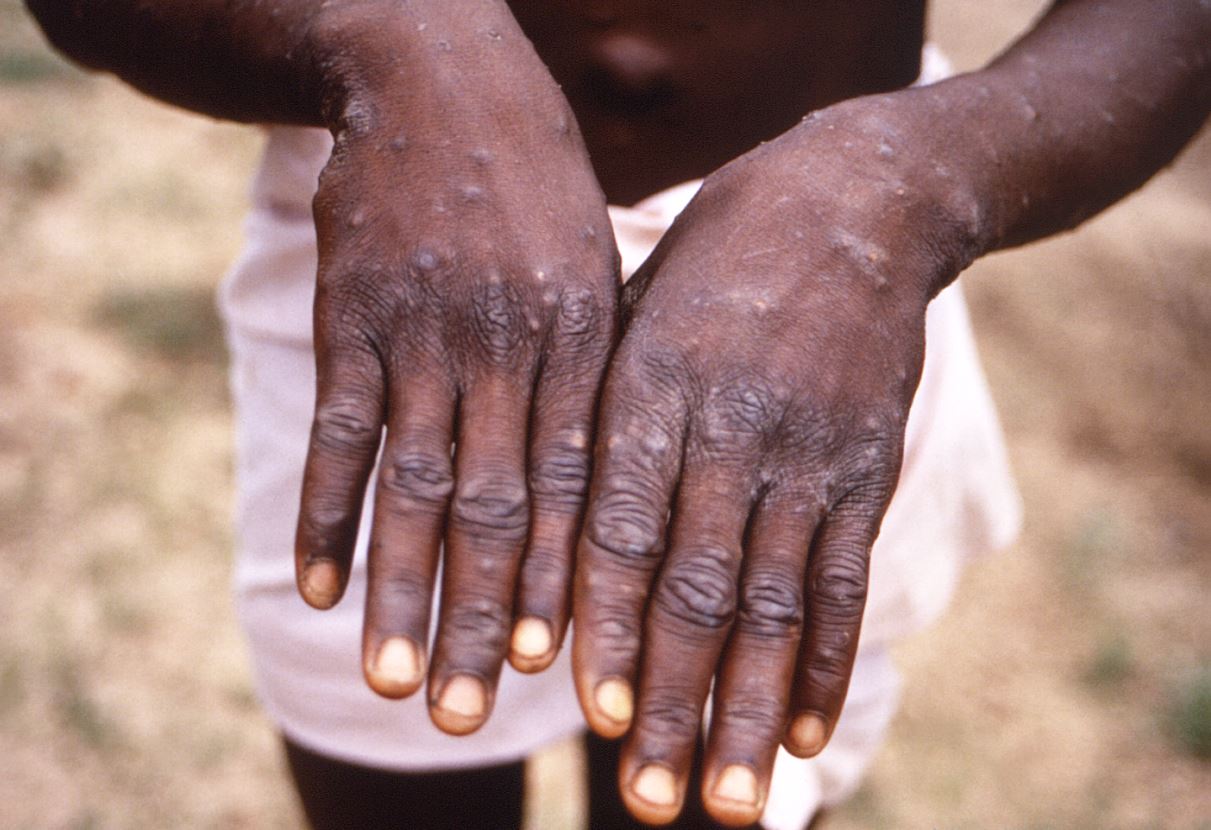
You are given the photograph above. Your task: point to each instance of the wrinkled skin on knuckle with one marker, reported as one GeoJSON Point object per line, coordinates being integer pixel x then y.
{"type": "Point", "coordinates": [809, 435]}
{"type": "Point", "coordinates": [667, 715]}
{"type": "Point", "coordinates": [357, 309]}
{"type": "Point", "coordinates": [560, 476]}
{"type": "Point", "coordinates": [546, 570]}
{"type": "Point", "coordinates": [839, 585]}
{"type": "Point", "coordinates": [647, 374]}
{"type": "Point", "coordinates": [491, 507]}
{"type": "Point", "coordinates": [616, 633]}
{"type": "Point", "coordinates": [624, 525]}
{"type": "Point", "coordinates": [752, 713]}
{"type": "Point", "coordinates": [583, 319]}
{"type": "Point", "coordinates": [752, 405]}
{"type": "Point", "coordinates": [698, 589]}
{"type": "Point", "coordinates": [771, 604]}
{"type": "Point", "coordinates": [496, 322]}
{"type": "Point", "coordinates": [347, 424]}
{"type": "Point", "coordinates": [737, 422]}
{"type": "Point", "coordinates": [419, 480]}
{"type": "Point", "coordinates": [400, 587]}
{"type": "Point", "coordinates": [478, 625]}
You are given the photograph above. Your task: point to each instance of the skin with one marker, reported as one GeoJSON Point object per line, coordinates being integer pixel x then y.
{"type": "Point", "coordinates": [750, 426]}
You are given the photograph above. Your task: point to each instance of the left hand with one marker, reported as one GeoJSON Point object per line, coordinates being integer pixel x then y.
{"type": "Point", "coordinates": [751, 433]}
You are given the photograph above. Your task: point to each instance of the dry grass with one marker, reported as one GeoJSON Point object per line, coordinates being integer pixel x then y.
{"type": "Point", "coordinates": [1068, 688]}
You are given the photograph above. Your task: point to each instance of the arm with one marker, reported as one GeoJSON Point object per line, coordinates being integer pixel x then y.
{"type": "Point", "coordinates": [259, 61]}
{"type": "Point", "coordinates": [467, 287]}
{"type": "Point", "coordinates": [1074, 116]}
{"type": "Point", "coordinates": [752, 423]}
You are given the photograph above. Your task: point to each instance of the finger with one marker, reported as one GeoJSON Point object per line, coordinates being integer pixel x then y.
{"type": "Point", "coordinates": [638, 459]}
{"type": "Point", "coordinates": [487, 528]}
{"type": "Point", "coordinates": [691, 613]}
{"type": "Point", "coordinates": [413, 492]}
{"type": "Point", "coordinates": [752, 691]}
{"type": "Point", "coordinates": [345, 436]}
{"type": "Point", "coordinates": [837, 576]}
{"type": "Point", "coordinates": [559, 475]}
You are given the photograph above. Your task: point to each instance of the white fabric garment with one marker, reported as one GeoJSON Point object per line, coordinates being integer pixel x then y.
{"type": "Point", "coordinates": [955, 498]}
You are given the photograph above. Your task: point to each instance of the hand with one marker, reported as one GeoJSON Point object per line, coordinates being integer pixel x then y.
{"type": "Point", "coordinates": [750, 439]}
{"type": "Point", "coordinates": [466, 295]}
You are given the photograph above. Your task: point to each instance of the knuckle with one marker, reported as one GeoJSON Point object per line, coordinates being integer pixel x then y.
{"type": "Point", "coordinates": [401, 587]}
{"type": "Point", "coordinates": [496, 319]}
{"type": "Point", "coordinates": [347, 425]}
{"type": "Point", "coordinates": [617, 633]}
{"type": "Point", "coordinates": [669, 713]}
{"type": "Point", "coordinates": [748, 406]}
{"type": "Point", "coordinates": [356, 301]}
{"type": "Point", "coordinates": [560, 476]}
{"type": "Point", "coordinates": [662, 371]}
{"type": "Point", "coordinates": [545, 573]}
{"type": "Point", "coordinates": [624, 525]}
{"type": "Point", "coordinates": [828, 665]}
{"type": "Point", "coordinates": [699, 589]}
{"type": "Point", "coordinates": [581, 317]}
{"type": "Point", "coordinates": [771, 604]}
{"type": "Point", "coordinates": [752, 713]}
{"type": "Point", "coordinates": [491, 507]}
{"type": "Point", "coordinates": [839, 584]}
{"type": "Point", "coordinates": [418, 479]}
{"type": "Point", "coordinates": [808, 434]}
{"type": "Point", "coordinates": [477, 622]}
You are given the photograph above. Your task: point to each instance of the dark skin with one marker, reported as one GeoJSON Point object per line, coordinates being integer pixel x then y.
{"type": "Point", "coordinates": [746, 434]}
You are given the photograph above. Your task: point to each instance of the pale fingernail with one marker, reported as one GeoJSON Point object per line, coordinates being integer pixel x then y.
{"type": "Point", "coordinates": [531, 638]}
{"type": "Point", "coordinates": [614, 700]}
{"type": "Point", "coordinates": [398, 668]}
{"type": "Point", "coordinates": [463, 696]}
{"type": "Point", "coordinates": [808, 733]}
{"type": "Point", "coordinates": [656, 785]}
{"type": "Point", "coordinates": [322, 583]}
{"type": "Point", "coordinates": [737, 783]}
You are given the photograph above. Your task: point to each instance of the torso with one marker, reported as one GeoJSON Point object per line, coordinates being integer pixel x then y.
{"type": "Point", "coordinates": [669, 90]}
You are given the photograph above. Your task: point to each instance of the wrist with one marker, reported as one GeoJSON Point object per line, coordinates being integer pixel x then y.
{"type": "Point", "coordinates": [907, 179]}
{"type": "Point", "coordinates": [373, 61]}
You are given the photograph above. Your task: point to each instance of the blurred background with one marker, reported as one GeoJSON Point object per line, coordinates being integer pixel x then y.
{"type": "Point", "coordinates": [1068, 687]}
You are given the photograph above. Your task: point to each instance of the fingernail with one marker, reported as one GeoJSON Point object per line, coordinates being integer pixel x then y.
{"type": "Point", "coordinates": [464, 697]}
{"type": "Point", "coordinates": [532, 638]}
{"type": "Point", "coordinates": [614, 699]}
{"type": "Point", "coordinates": [808, 734]}
{"type": "Point", "coordinates": [398, 668]}
{"type": "Point", "coordinates": [656, 785]}
{"type": "Point", "coordinates": [737, 783]}
{"type": "Point", "coordinates": [322, 583]}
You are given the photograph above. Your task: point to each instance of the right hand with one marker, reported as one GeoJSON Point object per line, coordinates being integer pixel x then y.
{"type": "Point", "coordinates": [466, 295]}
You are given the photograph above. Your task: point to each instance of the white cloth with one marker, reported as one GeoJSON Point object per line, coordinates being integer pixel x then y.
{"type": "Point", "coordinates": [955, 498]}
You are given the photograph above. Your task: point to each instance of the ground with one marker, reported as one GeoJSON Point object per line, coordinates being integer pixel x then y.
{"type": "Point", "coordinates": [1068, 687]}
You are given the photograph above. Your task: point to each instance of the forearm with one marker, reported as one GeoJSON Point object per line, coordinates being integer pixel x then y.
{"type": "Point", "coordinates": [264, 61]}
{"type": "Point", "coordinates": [1078, 113]}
